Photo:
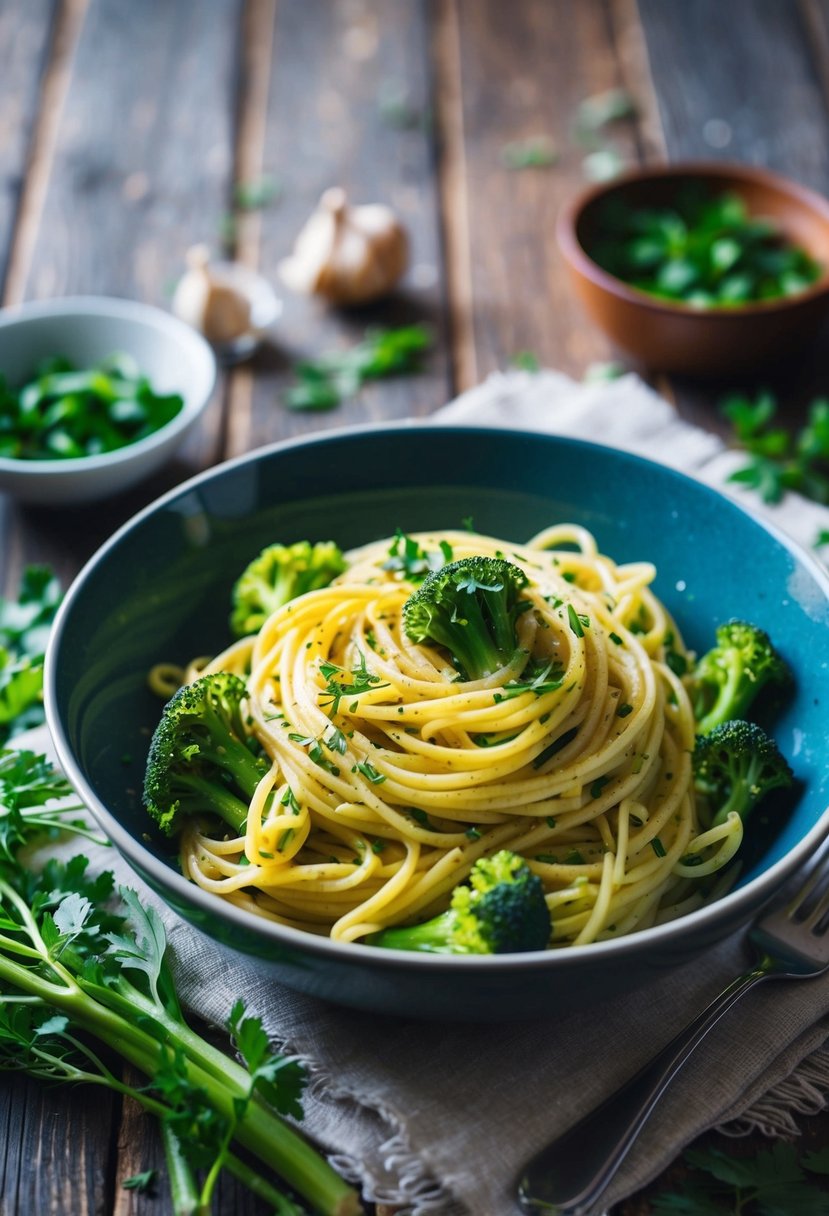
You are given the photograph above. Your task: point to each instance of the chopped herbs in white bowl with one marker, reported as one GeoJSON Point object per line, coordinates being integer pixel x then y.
{"type": "Point", "coordinates": [95, 395]}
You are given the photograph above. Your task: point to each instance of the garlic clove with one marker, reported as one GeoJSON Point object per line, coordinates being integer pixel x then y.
{"type": "Point", "coordinates": [347, 255]}
{"type": "Point", "coordinates": [210, 301]}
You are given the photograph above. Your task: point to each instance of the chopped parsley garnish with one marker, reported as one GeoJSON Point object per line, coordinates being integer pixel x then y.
{"type": "Point", "coordinates": [578, 621]}
{"type": "Point", "coordinates": [538, 678]}
{"type": "Point", "coordinates": [289, 800]}
{"type": "Point", "coordinates": [315, 752]}
{"type": "Point", "coordinates": [658, 847]}
{"type": "Point", "coordinates": [597, 786]}
{"type": "Point", "coordinates": [323, 384]}
{"type": "Point", "coordinates": [409, 558]}
{"type": "Point", "coordinates": [361, 680]}
{"type": "Point", "coordinates": [556, 746]}
{"type": "Point", "coordinates": [63, 413]}
{"type": "Point", "coordinates": [624, 710]}
{"type": "Point", "coordinates": [369, 772]}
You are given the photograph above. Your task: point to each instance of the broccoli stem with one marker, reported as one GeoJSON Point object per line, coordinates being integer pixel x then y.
{"type": "Point", "coordinates": [431, 937]}
{"type": "Point", "coordinates": [213, 797]}
{"type": "Point", "coordinates": [259, 1130]}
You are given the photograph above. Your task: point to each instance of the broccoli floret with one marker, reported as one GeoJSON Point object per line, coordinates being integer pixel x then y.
{"type": "Point", "coordinates": [724, 682]}
{"type": "Point", "coordinates": [201, 759]}
{"type": "Point", "coordinates": [501, 911]}
{"type": "Point", "coordinates": [280, 573]}
{"type": "Point", "coordinates": [470, 607]}
{"type": "Point", "coordinates": [736, 765]}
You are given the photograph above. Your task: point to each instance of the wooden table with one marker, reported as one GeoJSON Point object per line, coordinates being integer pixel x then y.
{"type": "Point", "coordinates": [127, 127]}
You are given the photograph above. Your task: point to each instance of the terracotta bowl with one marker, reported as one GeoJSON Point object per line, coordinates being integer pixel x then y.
{"type": "Point", "coordinates": [678, 337]}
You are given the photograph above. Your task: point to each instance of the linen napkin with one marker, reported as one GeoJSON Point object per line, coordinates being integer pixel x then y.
{"type": "Point", "coordinates": [439, 1118]}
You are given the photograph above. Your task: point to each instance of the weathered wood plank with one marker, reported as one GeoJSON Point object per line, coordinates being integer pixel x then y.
{"type": "Point", "coordinates": [25, 32]}
{"type": "Point", "coordinates": [142, 169]}
{"type": "Point", "coordinates": [744, 83]}
{"type": "Point", "coordinates": [43, 1168]}
{"type": "Point", "coordinates": [332, 68]}
{"type": "Point", "coordinates": [524, 69]}
{"type": "Point", "coordinates": [739, 81]}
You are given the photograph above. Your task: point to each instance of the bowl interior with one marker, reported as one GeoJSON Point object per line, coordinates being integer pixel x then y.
{"type": "Point", "coordinates": [173, 357]}
{"type": "Point", "coordinates": [160, 589]}
{"type": "Point", "coordinates": [801, 217]}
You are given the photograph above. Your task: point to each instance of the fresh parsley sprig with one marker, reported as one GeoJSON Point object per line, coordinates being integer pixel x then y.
{"type": "Point", "coordinates": [771, 1183]}
{"type": "Point", "coordinates": [81, 978]}
{"type": "Point", "coordinates": [24, 631]}
{"type": "Point", "coordinates": [780, 459]}
{"type": "Point", "coordinates": [324, 383]}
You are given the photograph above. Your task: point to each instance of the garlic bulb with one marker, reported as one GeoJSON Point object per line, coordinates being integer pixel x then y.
{"type": "Point", "coordinates": [347, 255]}
{"type": "Point", "coordinates": [210, 301]}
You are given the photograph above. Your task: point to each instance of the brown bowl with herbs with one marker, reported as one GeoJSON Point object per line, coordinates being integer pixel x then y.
{"type": "Point", "coordinates": [701, 269]}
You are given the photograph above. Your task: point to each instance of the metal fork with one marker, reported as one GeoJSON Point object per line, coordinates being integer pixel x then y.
{"type": "Point", "coordinates": [569, 1176]}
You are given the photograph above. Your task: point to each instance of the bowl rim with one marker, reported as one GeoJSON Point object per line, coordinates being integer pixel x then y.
{"type": "Point", "coordinates": [566, 229]}
{"type": "Point", "coordinates": [277, 935]}
{"type": "Point", "coordinates": [196, 348]}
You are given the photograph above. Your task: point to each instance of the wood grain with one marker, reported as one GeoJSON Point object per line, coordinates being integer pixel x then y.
{"type": "Point", "coordinates": [757, 94]}
{"type": "Point", "coordinates": [329, 123]}
{"type": "Point", "coordinates": [26, 28]}
{"type": "Point", "coordinates": [524, 69]}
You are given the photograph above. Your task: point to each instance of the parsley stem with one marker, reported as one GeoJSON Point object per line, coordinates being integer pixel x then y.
{"type": "Point", "coordinates": [184, 1191]}
{"type": "Point", "coordinates": [259, 1130]}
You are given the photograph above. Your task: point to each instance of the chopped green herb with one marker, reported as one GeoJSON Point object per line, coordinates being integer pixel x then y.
{"type": "Point", "coordinates": [63, 413]}
{"type": "Point", "coordinates": [574, 858]}
{"type": "Point", "coordinates": [526, 361]}
{"type": "Point", "coordinates": [537, 152]}
{"type": "Point", "coordinates": [549, 859]}
{"type": "Point", "coordinates": [658, 847]}
{"type": "Point", "coordinates": [288, 799]}
{"type": "Point", "coordinates": [257, 193]}
{"type": "Point", "coordinates": [615, 639]}
{"type": "Point", "coordinates": [597, 786]}
{"type": "Point", "coordinates": [323, 384]}
{"type": "Point", "coordinates": [556, 746]}
{"type": "Point", "coordinates": [473, 833]}
{"type": "Point", "coordinates": [538, 678]}
{"type": "Point", "coordinates": [370, 772]}
{"type": "Point", "coordinates": [409, 558]}
{"type": "Point", "coordinates": [780, 460]}
{"type": "Point", "coordinates": [624, 710]}
{"type": "Point", "coordinates": [703, 250]}
{"type": "Point", "coordinates": [578, 621]}
{"type": "Point", "coordinates": [142, 1182]}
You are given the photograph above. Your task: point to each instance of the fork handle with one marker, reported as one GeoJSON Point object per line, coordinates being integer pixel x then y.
{"type": "Point", "coordinates": [568, 1176]}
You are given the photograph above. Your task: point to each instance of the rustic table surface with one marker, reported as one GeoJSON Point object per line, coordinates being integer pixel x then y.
{"type": "Point", "coordinates": [125, 132]}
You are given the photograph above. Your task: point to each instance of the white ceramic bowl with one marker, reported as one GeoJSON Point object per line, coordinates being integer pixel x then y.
{"type": "Point", "coordinates": [86, 329]}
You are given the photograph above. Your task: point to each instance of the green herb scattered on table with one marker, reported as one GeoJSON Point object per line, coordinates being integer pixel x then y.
{"type": "Point", "coordinates": [780, 459]}
{"type": "Point", "coordinates": [771, 1183]}
{"type": "Point", "coordinates": [704, 250]}
{"type": "Point", "coordinates": [537, 152]}
{"type": "Point", "coordinates": [324, 383]}
{"type": "Point", "coordinates": [526, 361]}
{"type": "Point", "coordinates": [256, 193]}
{"type": "Point", "coordinates": [602, 372]}
{"type": "Point", "coordinates": [63, 412]}
{"type": "Point", "coordinates": [598, 111]}
{"type": "Point", "coordinates": [82, 976]}
{"type": "Point", "coordinates": [24, 632]}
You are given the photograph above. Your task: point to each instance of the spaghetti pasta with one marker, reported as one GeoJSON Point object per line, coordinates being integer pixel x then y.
{"type": "Point", "coordinates": [391, 773]}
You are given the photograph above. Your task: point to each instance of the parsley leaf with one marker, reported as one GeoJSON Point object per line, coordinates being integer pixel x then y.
{"type": "Point", "coordinates": [326, 382]}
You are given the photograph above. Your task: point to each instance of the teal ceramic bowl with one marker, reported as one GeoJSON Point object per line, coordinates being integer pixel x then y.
{"type": "Point", "coordinates": [159, 589]}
